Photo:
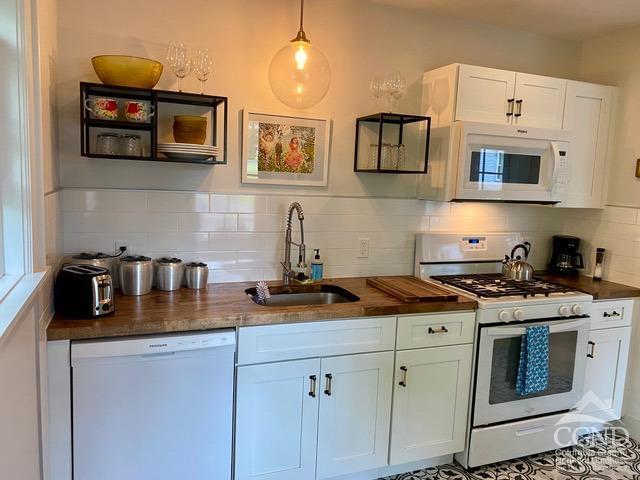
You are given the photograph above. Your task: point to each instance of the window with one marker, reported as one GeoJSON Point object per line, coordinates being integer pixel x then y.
{"type": "Point", "coordinates": [16, 140]}
{"type": "Point", "coordinates": [490, 166]}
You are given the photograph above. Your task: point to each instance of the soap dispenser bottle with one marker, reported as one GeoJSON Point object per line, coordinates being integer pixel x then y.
{"type": "Point", "coordinates": [317, 267]}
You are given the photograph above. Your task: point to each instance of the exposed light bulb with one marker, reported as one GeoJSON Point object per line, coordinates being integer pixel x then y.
{"type": "Point", "coordinates": [301, 57]}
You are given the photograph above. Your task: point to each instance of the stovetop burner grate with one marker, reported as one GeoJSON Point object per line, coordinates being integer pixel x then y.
{"type": "Point", "coordinates": [494, 285]}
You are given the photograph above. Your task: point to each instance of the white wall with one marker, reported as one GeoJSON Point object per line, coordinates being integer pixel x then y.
{"type": "Point", "coordinates": [360, 38]}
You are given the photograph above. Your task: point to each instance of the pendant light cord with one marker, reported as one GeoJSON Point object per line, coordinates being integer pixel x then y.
{"type": "Point", "coordinates": [301, 36]}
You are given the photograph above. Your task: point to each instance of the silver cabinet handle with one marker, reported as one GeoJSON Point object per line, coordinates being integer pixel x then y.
{"type": "Point", "coordinates": [518, 108]}
{"type": "Point", "coordinates": [510, 106]}
{"type": "Point", "coordinates": [592, 353]}
{"type": "Point", "coordinates": [327, 386]}
{"type": "Point", "coordinates": [312, 385]}
{"type": "Point", "coordinates": [403, 378]}
{"type": "Point", "coordinates": [442, 329]}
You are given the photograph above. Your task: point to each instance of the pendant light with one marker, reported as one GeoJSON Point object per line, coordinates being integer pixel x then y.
{"type": "Point", "coordinates": [299, 73]}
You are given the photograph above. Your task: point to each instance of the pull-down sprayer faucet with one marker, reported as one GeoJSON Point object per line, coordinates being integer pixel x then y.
{"type": "Point", "coordinates": [287, 272]}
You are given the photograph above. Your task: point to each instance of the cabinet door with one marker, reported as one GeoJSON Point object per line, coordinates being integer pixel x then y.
{"type": "Point", "coordinates": [355, 411]}
{"type": "Point", "coordinates": [430, 403]}
{"type": "Point", "coordinates": [484, 94]}
{"type": "Point", "coordinates": [606, 370]}
{"type": "Point", "coordinates": [588, 116]}
{"type": "Point", "coordinates": [276, 421]}
{"type": "Point", "coordinates": [539, 101]}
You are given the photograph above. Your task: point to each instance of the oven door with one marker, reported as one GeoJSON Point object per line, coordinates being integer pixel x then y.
{"type": "Point", "coordinates": [499, 163]}
{"type": "Point", "coordinates": [496, 399]}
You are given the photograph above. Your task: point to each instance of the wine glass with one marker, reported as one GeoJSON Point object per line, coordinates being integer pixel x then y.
{"type": "Point", "coordinates": [202, 66]}
{"type": "Point", "coordinates": [179, 61]}
{"type": "Point", "coordinates": [376, 86]}
{"type": "Point", "coordinates": [395, 87]}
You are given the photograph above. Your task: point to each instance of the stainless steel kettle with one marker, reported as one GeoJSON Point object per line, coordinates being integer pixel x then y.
{"type": "Point", "coordinates": [514, 268]}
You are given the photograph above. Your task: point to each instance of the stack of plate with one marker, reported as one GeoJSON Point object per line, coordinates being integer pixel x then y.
{"type": "Point", "coordinates": [186, 151]}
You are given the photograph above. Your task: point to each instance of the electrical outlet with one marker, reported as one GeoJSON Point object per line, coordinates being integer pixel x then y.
{"type": "Point", "coordinates": [363, 248]}
{"type": "Point", "coordinates": [119, 245]}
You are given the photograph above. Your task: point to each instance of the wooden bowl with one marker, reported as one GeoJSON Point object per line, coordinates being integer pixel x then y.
{"type": "Point", "coordinates": [127, 71]}
{"type": "Point", "coordinates": [189, 136]}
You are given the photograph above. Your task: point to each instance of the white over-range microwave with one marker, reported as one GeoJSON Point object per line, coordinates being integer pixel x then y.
{"type": "Point", "coordinates": [489, 162]}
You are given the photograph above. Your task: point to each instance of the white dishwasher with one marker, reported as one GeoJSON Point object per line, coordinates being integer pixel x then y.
{"type": "Point", "coordinates": [153, 408]}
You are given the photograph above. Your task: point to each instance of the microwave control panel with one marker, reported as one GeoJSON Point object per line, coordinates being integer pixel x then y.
{"type": "Point", "coordinates": [562, 176]}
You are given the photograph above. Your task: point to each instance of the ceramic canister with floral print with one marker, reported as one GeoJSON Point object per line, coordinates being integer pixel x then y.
{"type": "Point", "coordinates": [138, 111]}
{"type": "Point", "coordinates": [105, 108]}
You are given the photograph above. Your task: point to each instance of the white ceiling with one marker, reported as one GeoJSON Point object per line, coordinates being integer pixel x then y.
{"type": "Point", "coordinates": [570, 19]}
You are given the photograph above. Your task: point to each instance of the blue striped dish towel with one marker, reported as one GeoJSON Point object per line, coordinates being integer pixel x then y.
{"type": "Point", "coordinates": [533, 369]}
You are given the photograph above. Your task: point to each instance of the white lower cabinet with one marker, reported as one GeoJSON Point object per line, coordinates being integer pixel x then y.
{"type": "Point", "coordinates": [606, 370]}
{"type": "Point", "coordinates": [431, 395]}
{"type": "Point", "coordinates": [329, 417]}
{"type": "Point", "coordinates": [277, 420]}
{"type": "Point", "coordinates": [355, 413]}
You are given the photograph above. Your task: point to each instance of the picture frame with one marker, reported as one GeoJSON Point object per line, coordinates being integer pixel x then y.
{"type": "Point", "coordinates": [285, 149]}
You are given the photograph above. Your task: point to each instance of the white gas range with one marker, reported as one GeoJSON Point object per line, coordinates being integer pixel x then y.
{"type": "Point", "coordinates": [502, 423]}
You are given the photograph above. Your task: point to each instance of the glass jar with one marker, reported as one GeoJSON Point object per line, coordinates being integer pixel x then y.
{"type": "Point", "coordinates": [131, 145]}
{"type": "Point", "coordinates": [108, 144]}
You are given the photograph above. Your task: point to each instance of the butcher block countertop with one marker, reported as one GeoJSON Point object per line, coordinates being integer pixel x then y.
{"type": "Point", "coordinates": [598, 289]}
{"type": "Point", "coordinates": [226, 305]}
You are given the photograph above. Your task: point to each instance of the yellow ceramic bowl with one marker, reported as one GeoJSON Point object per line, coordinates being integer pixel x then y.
{"type": "Point", "coordinates": [189, 119]}
{"type": "Point", "coordinates": [126, 71]}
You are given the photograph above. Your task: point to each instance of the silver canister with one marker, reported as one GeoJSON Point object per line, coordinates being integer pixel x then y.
{"type": "Point", "coordinates": [168, 274]}
{"type": "Point", "coordinates": [197, 274]}
{"type": "Point", "coordinates": [136, 275]}
{"type": "Point", "coordinates": [98, 260]}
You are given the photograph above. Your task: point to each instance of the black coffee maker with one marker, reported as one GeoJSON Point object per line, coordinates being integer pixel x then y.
{"type": "Point", "coordinates": [565, 258]}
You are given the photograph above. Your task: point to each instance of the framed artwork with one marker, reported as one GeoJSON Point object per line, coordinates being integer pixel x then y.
{"type": "Point", "coordinates": [285, 149]}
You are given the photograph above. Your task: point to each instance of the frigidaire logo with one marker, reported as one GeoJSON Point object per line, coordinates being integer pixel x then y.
{"type": "Point", "coordinates": [522, 131]}
{"type": "Point", "coordinates": [157, 345]}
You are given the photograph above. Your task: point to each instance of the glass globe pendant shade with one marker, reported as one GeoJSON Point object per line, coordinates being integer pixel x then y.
{"type": "Point", "coordinates": [299, 74]}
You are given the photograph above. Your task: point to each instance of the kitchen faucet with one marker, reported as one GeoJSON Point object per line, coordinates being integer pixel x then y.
{"type": "Point", "coordinates": [287, 272]}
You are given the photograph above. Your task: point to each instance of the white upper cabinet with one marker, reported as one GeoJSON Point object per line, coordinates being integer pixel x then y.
{"type": "Point", "coordinates": [588, 113]}
{"type": "Point", "coordinates": [539, 101]}
{"type": "Point", "coordinates": [355, 413]}
{"type": "Point", "coordinates": [485, 94]}
{"type": "Point", "coordinates": [499, 96]}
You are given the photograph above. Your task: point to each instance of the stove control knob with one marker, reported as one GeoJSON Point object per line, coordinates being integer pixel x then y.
{"type": "Point", "coordinates": [504, 315]}
{"type": "Point", "coordinates": [564, 310]}
{"type": "Point", "coordinates": [577, 309]}
{"type": "Point", "coordinates": [518, 314]}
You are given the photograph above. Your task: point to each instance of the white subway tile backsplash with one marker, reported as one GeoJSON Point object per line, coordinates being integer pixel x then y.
{"type": "Point", "coordinates": [238, 203]}
{"type": "Point", "coordinates": [103, 200]}
{"type": "Point", "coordinates": [207, 222]}
{"type": "Point", "coordinates": [178, 242]}
{"type": "Point", "coordinates": [241, 237]}
{"type": "Point", "coordinates": [145, 222]}
{"type": "Point", "coordinates": [177, 202]}
{"type": "Point", "coordinates": [261, 223]}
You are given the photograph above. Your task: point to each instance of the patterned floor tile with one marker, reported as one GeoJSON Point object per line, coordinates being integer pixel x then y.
{"type": "Point", "coordinates": [607, 455]}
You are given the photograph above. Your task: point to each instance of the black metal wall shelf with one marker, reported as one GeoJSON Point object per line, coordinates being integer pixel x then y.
{"type": "Point", "coordinates": [217, 104]}
{"type": "Point", "coordinates": [379, 121]}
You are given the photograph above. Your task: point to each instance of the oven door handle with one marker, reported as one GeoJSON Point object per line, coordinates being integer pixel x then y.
{"type": "Point", "coordinates": [513, 332]}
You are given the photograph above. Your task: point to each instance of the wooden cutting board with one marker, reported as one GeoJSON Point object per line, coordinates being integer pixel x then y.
{"type": "Point", "coordinates": [411, 289]}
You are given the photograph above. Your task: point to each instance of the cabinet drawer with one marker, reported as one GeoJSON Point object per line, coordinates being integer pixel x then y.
{"type": "Point", "coordinates": [272, 343]}
{"type": "Point", "coordinates": [435, 330]}
{"type": "Point", "coordinates": [610, 314]}
{"type": "Point", "coordinates": [518, 439]}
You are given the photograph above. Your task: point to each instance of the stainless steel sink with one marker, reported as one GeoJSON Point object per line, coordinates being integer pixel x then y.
{"type": "Point", "coordinates": [293, 295]}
